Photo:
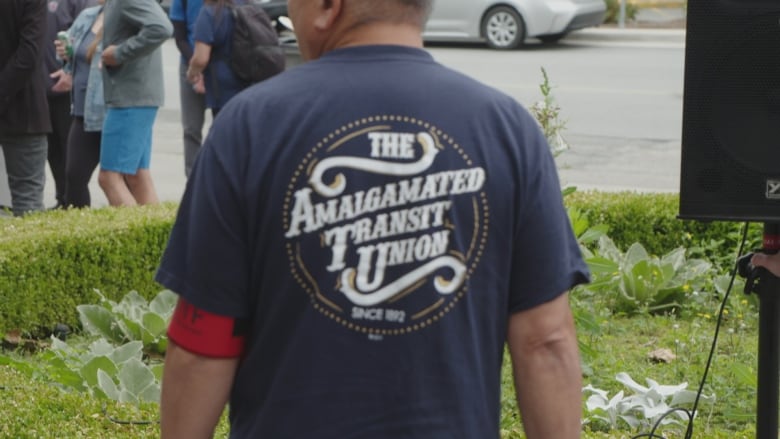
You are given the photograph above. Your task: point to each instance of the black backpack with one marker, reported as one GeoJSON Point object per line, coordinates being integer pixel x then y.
{"type": "Point", "coordinates": [256, 52]}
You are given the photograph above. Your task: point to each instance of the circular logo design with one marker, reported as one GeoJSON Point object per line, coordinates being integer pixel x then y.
{"type": "Point", "coordinates": [385, 220]}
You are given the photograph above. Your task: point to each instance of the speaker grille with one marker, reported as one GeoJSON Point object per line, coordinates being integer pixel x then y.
{"type": "Point", "coordinates": [731, 111]}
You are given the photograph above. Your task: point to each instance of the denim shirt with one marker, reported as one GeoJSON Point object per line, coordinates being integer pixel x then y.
{"type": "Point", "coordinates": [94, 104]}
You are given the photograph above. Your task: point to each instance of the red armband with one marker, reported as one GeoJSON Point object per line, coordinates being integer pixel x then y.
{"type": "Point", "coordinates": [204, 333]}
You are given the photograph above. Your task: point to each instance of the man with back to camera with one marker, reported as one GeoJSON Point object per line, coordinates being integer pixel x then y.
{"type": "Point", "coordinates": [24, 119]}
{"type": "Point", "coordinates": [358, 240]}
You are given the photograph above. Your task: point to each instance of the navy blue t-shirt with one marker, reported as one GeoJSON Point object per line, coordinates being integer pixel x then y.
{"type": "Point", "coordinates": [214, 27]}
{"type": "Point", "coordinates": [376, 217]}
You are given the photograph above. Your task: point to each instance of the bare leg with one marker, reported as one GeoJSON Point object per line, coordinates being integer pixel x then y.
{"type": "Point", "coordinates": [142, 187]}
{"type": "Point", "coordinates": [115, 188]}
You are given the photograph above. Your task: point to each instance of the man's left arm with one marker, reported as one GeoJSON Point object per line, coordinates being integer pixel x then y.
{"type": "Point", "coordinates": [548, 378]}
{"type": "Point", "coordinates": [155, 29]}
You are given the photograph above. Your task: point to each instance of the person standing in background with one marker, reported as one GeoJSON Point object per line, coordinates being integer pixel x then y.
{"type": "Point", "coordinates": [60, 16]}
{"type": "Point", "coordinates": [24, 120]}
{"type": "Point", "coordinates": [88, 105]}
{"type": "Point", "coordinates": [183, 14]}
{"type": "Point", "coordinates": [210, 64]}
{"type": "Point", "coordinates": [133, 88]}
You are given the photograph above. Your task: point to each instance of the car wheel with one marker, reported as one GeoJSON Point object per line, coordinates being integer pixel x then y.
{"type": "Point", "coordinates": [553, 38]}
{"type": "Point", "coordinates": [503, 28]}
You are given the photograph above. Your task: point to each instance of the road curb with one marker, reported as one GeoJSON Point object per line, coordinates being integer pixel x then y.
{"type": "Point", "coordinates": [661, 4]}
{"type": "Point", "coordinates": [617, 34]}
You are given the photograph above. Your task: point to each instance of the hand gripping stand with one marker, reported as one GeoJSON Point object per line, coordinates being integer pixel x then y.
{"type": "Point", "coordinates": [767, 287]}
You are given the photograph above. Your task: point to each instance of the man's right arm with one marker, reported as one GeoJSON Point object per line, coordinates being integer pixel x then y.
{"type": "Point", "coordinates": [18, 70]}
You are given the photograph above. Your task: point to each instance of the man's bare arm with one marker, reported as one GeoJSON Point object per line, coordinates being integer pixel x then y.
{"type": "Point", "coordinates": [195, 390]}
{"type": "Point", "coordinates": [546, 364]}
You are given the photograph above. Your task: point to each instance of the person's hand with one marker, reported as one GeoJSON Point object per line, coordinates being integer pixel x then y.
{"type": "Point", "coordinates": [64, 81]}
{"type": "Point", "coordinates": [194, 76]}
{"type": "Point", "coordinates": [59, 47]}
{"type": "Point", "coordinates": [108, 56]}
{"type": "Point", "coordinates": [200, 86]}
{"type": "Point", "coordinates": [770, 262]}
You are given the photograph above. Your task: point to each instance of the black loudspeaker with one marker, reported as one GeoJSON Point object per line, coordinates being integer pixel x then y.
{"type": "Point", "coordinates": [731, 111]}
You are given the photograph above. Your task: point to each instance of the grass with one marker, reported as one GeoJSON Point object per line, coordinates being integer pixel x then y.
{"type": "Point", "coordinates": [32, 408]}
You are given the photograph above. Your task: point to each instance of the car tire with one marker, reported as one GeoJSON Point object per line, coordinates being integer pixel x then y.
{"type": "Point", "coordinates": [503, 28]}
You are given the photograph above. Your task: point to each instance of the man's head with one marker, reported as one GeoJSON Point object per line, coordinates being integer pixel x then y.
{"type": "Point", "coordinates": [324, 25]}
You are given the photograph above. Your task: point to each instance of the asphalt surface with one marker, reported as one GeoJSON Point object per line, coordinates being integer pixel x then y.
{"type": "Point", "coordinates": [167, 164]}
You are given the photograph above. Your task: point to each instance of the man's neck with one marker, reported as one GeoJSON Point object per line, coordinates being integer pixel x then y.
{"type": "Point", "coordinates": [378, 34]}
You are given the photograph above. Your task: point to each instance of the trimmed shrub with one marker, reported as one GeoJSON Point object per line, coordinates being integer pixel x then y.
{"type": "Point", "coordinates": [53, 261]}
{"type": "Point", "coordinates": [651, 220]}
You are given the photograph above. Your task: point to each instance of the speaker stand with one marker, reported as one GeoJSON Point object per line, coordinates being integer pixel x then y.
{"type": "Point", "coordinates": [768, 291]}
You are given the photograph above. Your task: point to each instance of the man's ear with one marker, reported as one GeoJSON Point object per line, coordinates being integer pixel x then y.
{"type": "Point", "coordinates": [329, 12]}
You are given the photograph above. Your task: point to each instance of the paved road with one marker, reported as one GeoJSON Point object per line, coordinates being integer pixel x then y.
{"type": "Point", "coordinates": [615, 156]}
{"type": "Point", "coordinates": [619, 91]}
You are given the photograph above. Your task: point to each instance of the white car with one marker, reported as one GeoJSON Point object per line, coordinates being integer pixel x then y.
{"type": "Point", "coordinates": [505, 24]}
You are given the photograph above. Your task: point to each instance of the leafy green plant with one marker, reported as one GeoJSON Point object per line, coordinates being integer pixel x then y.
{"type": "Point", "coordinates": [547, 113]}
{"type": "Point", "coordinates": [123, 363]}
{"type": "Point", "coordinates": [638, 282]}
{"type": "Point", "coordinates": [586, 233]}
{"type": "Point", "coordinates": [103, 370]}
{"type": "Point", "coordinates": [645, 407]}
{"type": "Point", "coordinates": [585, 319]}
{"type": "Point", "coordinates": [132, 318]}
{"type": "Point", "coordinates": [613, 11]}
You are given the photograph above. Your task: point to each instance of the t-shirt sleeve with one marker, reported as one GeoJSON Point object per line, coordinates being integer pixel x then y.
{"type": "Point", "coordinates": [546, 258]}
{"type": "Point", "coordinates": [176, 12]}
{"type": "Point", "coordinates": [206, 257]}
{"type": "Point", "coordinates": [204, 27]}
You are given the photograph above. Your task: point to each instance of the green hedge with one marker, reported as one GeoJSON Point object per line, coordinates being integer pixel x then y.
{"type": "Point", "coordinates": [651, 219]}
{"type": "Point", "coordinates": [53, 261]}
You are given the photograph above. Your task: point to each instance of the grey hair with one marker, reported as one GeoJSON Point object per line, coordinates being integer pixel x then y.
{"type": "Point", "coordinates": [397, 11]}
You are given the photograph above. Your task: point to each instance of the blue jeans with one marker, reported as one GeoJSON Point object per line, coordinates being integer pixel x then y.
{"type": "Point", "coordinates": [25, 163]}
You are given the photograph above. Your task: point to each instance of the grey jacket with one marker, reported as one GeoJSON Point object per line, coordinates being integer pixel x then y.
{"type": "Point", "coordinates": [138, 28]}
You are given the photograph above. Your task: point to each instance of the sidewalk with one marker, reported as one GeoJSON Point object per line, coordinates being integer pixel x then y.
{"type": "Point", "coordinates": [661, 16]}
{"type": "Point", "coordinates": [663, 23]}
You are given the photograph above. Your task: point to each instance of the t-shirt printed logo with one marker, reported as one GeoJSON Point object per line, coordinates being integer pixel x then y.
{"type": "Point", "coordinates": [385, 218]}
{"type": "Point", "coordinates": [53, 6]}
